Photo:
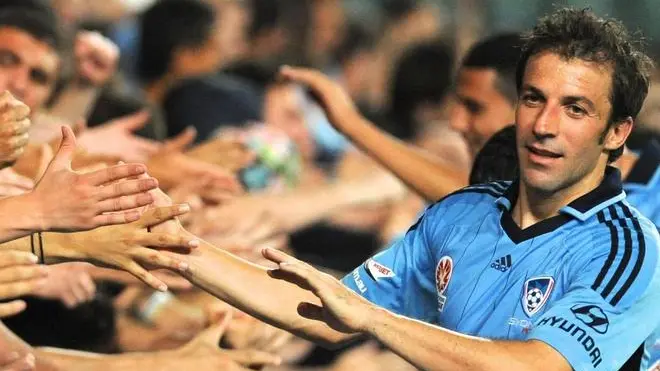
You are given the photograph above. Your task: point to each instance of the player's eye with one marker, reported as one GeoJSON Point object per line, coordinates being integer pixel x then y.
{"type": "Point", "coordinates": [576, 111]}
{"type": "Point", "coordinates": [531, 99]}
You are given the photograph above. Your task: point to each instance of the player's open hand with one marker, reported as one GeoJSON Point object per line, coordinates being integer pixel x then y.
{"type": "Point", "coordinates": [65, 200]}
{"type": "Point", "coordinates": [336, 103]}
{"type": "Point", "coordinates": [340, 308]}
{"type": "Point", "coordinates": [14, 127]}
{"type": "Point", "coordinates": [19, 276]}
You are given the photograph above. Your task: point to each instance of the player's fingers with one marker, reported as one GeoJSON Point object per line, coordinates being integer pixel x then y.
{"type": "Point", "coordinates": [277, 256]}
{"type": "Point", "coordinates": [12, 308]}
{"type": "Point", "coordinates": [310, 311]}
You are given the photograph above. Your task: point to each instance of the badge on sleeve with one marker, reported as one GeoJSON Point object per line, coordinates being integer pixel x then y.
{"type": "Point", "coordinates": [377, 271]}
{"type": "Point", "coordinates": [535, 293]}
{"type": "Point", "coordinates": [442, 276]}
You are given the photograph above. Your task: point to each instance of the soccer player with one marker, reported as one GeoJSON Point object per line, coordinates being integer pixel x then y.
{"type": "Point", "coordinates": [577, 272]}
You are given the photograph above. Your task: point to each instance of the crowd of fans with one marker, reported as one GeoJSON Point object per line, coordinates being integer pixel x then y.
{"type": "Point", "coordinates": [144, 144]}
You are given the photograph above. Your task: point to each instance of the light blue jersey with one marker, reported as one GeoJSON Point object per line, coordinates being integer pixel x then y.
{"type": "Point", "coordinates": [643, 189]}
{"type": "Point", "coordinates": [586, 281]}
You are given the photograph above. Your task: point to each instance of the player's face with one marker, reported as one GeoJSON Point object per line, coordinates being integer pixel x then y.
{"type": "Point", "coordinates": [481, 110]}
{"type": "Point", "coordinates": [562, 114]}
{"type": "Point", "coordinates": [28, 67]}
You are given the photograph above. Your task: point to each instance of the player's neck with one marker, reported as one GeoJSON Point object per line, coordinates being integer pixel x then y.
{"type": "Point", "coordinates": [626, 162]}
{"type": "Point", "coordinates": [533, 206]}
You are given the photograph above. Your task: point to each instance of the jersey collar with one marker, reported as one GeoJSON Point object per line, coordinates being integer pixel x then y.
{"type": "Point", "coordinates": [646, 172]}
{"type": "Point", "coordinates": [608, 192]}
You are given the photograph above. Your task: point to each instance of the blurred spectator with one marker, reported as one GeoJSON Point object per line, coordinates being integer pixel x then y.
{"type": "Point", "coordinates": [180, 39]}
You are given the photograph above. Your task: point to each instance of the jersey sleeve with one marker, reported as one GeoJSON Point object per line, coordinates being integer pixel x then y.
{"type": "Point", "coordinates": [397, 278]}
{"type": "Point", "coordinates": [609, 307]}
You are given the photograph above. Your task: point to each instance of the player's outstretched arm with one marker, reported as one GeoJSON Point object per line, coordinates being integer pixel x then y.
{"type": "Point", "coordinates": [249, 288]}
{"type": "Point", "coordinates": [438, 177]}
{"type": "Point", "coordinates": [426, 346]}
{"type": "Point", "coordinates": [65, 201]}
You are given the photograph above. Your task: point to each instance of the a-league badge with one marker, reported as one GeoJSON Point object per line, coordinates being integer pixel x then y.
{"type": "Point", "coordinates": [442, 276]}
{"type": "Point", "coordinates": [535, 293]}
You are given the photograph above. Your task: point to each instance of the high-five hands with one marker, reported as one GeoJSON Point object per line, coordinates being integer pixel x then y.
{"type": "Point", "coordinates": [14, 127]}
{"type": "Point", "coordinates": [340, 308]}
{"type": "Point", "coordinates": [19, 275]}
{"type": "Point", "coordinates": [66, 201]}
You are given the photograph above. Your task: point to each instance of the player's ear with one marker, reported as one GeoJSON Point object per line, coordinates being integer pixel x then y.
{"type": "Point", "coordinates": [617, 134]}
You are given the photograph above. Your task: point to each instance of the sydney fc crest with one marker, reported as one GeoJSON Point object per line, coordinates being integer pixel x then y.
{"type": "Point", "coordinates": [442, 276]}
{"type": "Point", "coordinates": [535, 293]}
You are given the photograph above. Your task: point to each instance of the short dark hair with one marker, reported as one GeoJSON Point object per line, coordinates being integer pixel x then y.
{"type": "Point", "coordinates": [500, 53]}
{"type": "Point", "coordinates": [395, 10]}
{"type": "Point", "coordinates": [38, 21]}
{"type": "Point", "coordinates": [422, 75]}
{"type": "Point", "coordinates": [166, 26]}
{"type": "Point", "coordinates": [497, 159]}
{"type": "Point", "coordinates": [266, 15]}
{"type": "Point", "coordinates": [580, 34]}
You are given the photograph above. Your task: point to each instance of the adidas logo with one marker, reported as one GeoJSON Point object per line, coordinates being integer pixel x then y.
{"type": "Point", "coordinates": [502, 264]}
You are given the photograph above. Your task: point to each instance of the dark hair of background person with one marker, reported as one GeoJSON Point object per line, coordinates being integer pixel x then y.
{"type": "Point", "coordinates": [36, 19]}
{"type": "Point", "coordinates": [266, 15]}
{"type": "Point", "coordinates": [88, 327]}
{"type": "Point", "coordinates": [422, 75]}
{"type": "Point", "coordinates": [497, 159]}
{"type": "Point", "coordinates": [167, 26]}
{"type": "Point", "coordinates": [579, 33]}
{"type": "Point", "coordinates": [500, 53]}
{"type": "Point", "coordinates": [395, 10]}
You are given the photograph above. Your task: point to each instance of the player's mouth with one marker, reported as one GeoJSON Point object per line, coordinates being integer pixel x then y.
{"type": "Point", "coordinates": [541, 155]}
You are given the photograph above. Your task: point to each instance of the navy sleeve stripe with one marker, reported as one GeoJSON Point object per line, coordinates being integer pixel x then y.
{"type": "Point", "coordinates": [623, 264]}
{"type": "Point", "coordinates": [629, 247]}
{"type": "Point", "coordinates": [614, 238]}
{"type": "Point", "coordinates": [640, 257]}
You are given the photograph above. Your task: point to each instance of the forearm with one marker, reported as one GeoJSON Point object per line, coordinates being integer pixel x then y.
{"type": "Point", "coordinates": [429, 175]}
{"type": "Point", "coordinates": [81, 361]}
{"type": "Point", "coordinates": [55, 247]}
{"type": "Point", "coordinates": [249, 288]}
{"type": "Point", "coordinates": [17, 219]}
{"type": "Point", "coordinates": [433, 348]}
